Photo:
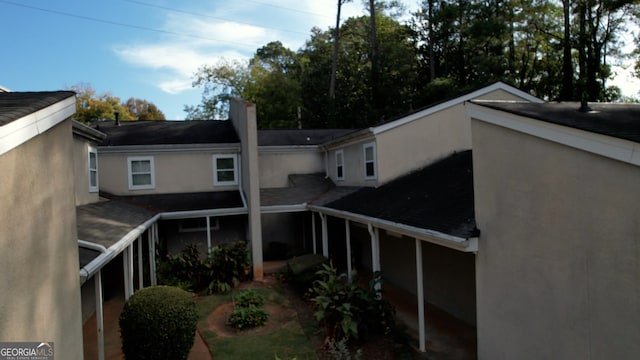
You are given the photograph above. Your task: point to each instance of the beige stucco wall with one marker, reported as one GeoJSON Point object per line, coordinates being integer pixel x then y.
{"type": "Point", "coordinates": [175, 172]}
{"type": "Point", "coordinates": [81, 172]}
{"type": "Point", "coordinates": [39, 286]}
{"type": "Point", "coordinates": [276, 166]}
{"type": "Point", "coordinates": [558, 266]}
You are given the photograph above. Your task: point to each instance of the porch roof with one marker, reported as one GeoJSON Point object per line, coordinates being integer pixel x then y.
{"type": "Point", "coordinates": [106, 222]}
{"type": "Point", "coordinates": [302, 189]}
{"type": "Point", "coordinates": [438, 198]}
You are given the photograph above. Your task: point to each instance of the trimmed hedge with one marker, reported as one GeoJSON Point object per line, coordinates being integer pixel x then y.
{"type": "Point", "coordinates": [158, 322]}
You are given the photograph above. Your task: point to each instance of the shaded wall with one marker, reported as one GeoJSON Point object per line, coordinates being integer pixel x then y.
{"type": "Point", "coordinates": [558, 266]}
{"type": "Point", "coordinates": [40, 286]}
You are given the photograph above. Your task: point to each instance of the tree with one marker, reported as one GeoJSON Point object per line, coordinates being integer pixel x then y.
{"type": "Point", "coordinates": [91, 107]}
{"type": "Point", "coordinates": [143, 110]}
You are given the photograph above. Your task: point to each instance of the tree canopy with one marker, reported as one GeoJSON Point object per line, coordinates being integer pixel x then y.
{"type": "Point", "coordinates": [374, 68]}
{"type": "Point", "coordinates": [91, 106]}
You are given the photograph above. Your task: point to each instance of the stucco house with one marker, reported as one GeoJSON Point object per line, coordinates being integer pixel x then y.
{"type": "Point", "coordinates": [556, 202]}
{"type": "Point", "coordinates": [515, 216]}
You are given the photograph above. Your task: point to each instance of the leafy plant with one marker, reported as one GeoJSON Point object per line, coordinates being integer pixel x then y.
{"type": "Point", "coordinates": [227, 264]}
{"type": "Point", "coordinates": [248, 317]}
{"type": "Point", "coordinates": [249, 297]}
{"type": "Point", "coordinates": [347, 311]}
{"type": "Point", "coordinates": [338, 350]}
{"type": "Point", "coordinates": [158, 322]}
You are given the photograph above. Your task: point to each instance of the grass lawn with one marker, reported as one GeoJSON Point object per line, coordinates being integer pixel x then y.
{"type": "Point", "coordinates": [286, 334]}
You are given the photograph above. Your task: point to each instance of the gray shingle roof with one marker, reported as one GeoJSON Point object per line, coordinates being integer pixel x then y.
{"type": "Point", "coordinates": [616, 120]}
{"type": "Point", "coordinates": [438, 197]}
{"type": "Point", "coordinates": [15, 105]}
{"type": "Point", "coordinates": [168, 132]}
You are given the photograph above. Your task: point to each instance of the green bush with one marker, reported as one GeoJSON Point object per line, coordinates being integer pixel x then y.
{"type": "Point", "coordinates": [249, 297]}
{"type": "Point", "coordinates": [248, 317]}
{"type": "Point", "coordinates": [347, 311]}
{"type": "Point", "coordinates": [158, 322]}
{"type": "Point", "coordinates": [223, 269]}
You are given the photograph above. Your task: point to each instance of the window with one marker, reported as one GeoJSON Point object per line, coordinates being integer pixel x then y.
{"type": "Point", "coordinates": [224, 170]}
{"type": "Point", "coordinates": [369, 161]}
{"type": "Point", "coordinates": [339, 165]}
{"type": "Point", "coordinates": [141, 173]}
{"type": "Point", "coordinates": [93, 170]}
{"type": "Point", "coordinates": [199, 224]}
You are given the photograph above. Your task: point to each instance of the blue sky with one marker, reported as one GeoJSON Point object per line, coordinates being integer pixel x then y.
{"type": "Point", "coordinates": [150, 49]}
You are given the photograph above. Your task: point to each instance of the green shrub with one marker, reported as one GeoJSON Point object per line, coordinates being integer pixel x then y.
{"type": "Point", "coordinates": [223, 269]}
{"type": "Point", "coordinates": [347, 311]}
{"type": "Point", "coordinates": [249, 297]}
{"type": "Point", "coordinates": [248, 317]}
{"type": "Point", "coordinates": [158, 322]}
{"type": "Point", "coordinates": [227, 264]}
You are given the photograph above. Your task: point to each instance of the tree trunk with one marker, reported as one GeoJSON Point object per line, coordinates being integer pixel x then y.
{"type": "Point", "coordinates": [566, 92]}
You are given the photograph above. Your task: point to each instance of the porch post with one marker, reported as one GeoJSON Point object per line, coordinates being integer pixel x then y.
{"type": "Point", "coordinates": [313, 230]}
{"type": "Point", "coordinates": [420, 293]}
{"type": "Point", "coordinates": [127, 260]}
{"type": "Point", "coordinates": [151, 237]}
{"type": "Point", "coordinates": [208, 235]}
{"type": "Point", "coordinates": [375, 250]}
{"type": "Point", "coordinates": [99, 313]}
{"type": "Point", "coordinates": [325, 236]}
{"type": "Point", "coordinates": [140, 264]}
{"type": "Point", "coordinates": [347, 231]}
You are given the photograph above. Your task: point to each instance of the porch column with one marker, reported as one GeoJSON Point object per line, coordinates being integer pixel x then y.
{"type": "Point", "coordinates": [140, 264]}
{"type": "Point", "coordinates": [375, 250]}
{"type": "Point", "coordinates": [420, 293]}
{"type": "Point", "coordinates": [151, 237]}
{"type": "Point", "coordinates": [127, 261]}
{"type": "Point", "coordinates": [97, 278]}
{"type": "Point", "coordinates": [208, 235]}
{"type": "Point", "coordinates": [347, 231]}
{"type": "Point", "coordinates": [325, 236]}
{"type": "Point", "coordinates": [313, 230]}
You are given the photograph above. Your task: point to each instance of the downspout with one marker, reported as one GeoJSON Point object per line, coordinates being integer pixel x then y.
{"type": "Point", "coordinates": [326, 164]}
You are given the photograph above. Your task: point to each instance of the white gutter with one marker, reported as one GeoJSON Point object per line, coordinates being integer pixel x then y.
{"type": "Point", "coordinates": [274, 209]}
{"type": "Point", "coordinates": [92, 246]}
{"type": "Point", "coordinates": [202, 213]}
{"type": "Point", "coordinates": [432, 236]}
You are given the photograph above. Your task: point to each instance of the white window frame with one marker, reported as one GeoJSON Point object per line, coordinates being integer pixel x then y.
{"type": "Point", "coordinates": [339, 164]}
{"type": "Point", "coordinates": [93, 187]}
{"type": "Point", "coordinates": [214, 224]}
{"type": "Point", "coordinates": [215, 169]}
{"type": "Point", "coordinates": [130, 173]}
{"type": "Point", "coordinates": [373, 161]}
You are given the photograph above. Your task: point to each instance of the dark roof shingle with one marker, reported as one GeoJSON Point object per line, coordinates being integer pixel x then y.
{"type": "Point", "coordinates": [438, 197]}
{"type": "Point", "coordinates": [168, 132]}
{"type": "Point", "coordinates": [616, 120]}
{"type": "Point", "coordinates": [15, 105]}
{"type": "Point", "coordinates": [299, 137]}
{"type": "Point", "coordinates": [183, 201]}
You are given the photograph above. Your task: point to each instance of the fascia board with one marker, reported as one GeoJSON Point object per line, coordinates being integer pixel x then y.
{"type": "Point", "coordinates": [24, 129]}
{"type": "Point", "coordinates": [350, 139]}
{"type": "Point", "coordinates": [288, 149]}
{"type": "Point", "coordinates": [603, 145]}
{"type": "Point", "coordinates": [87, 132]}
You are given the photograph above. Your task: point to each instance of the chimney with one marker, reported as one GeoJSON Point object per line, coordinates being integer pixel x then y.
{"type": "Point", "coordinates": [116, 113]}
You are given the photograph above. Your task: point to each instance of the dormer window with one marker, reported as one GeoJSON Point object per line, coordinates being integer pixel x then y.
{"type": "Point", "coordinates": [369, 160]}
{"type": "Point", "coordinates": [339, 165]}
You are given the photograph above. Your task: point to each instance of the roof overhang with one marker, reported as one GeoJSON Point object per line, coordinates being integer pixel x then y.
{"type": "Point", "coordinates": [603, 145]}
{"type": "Point", "coordinates": [24, 129]}
{"type": "Point", "coordinates": [169, 148]}
{"type": "Point", "coordinates": [432, 236]}
{"type": "Point", "coordinates": [87, 132]}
